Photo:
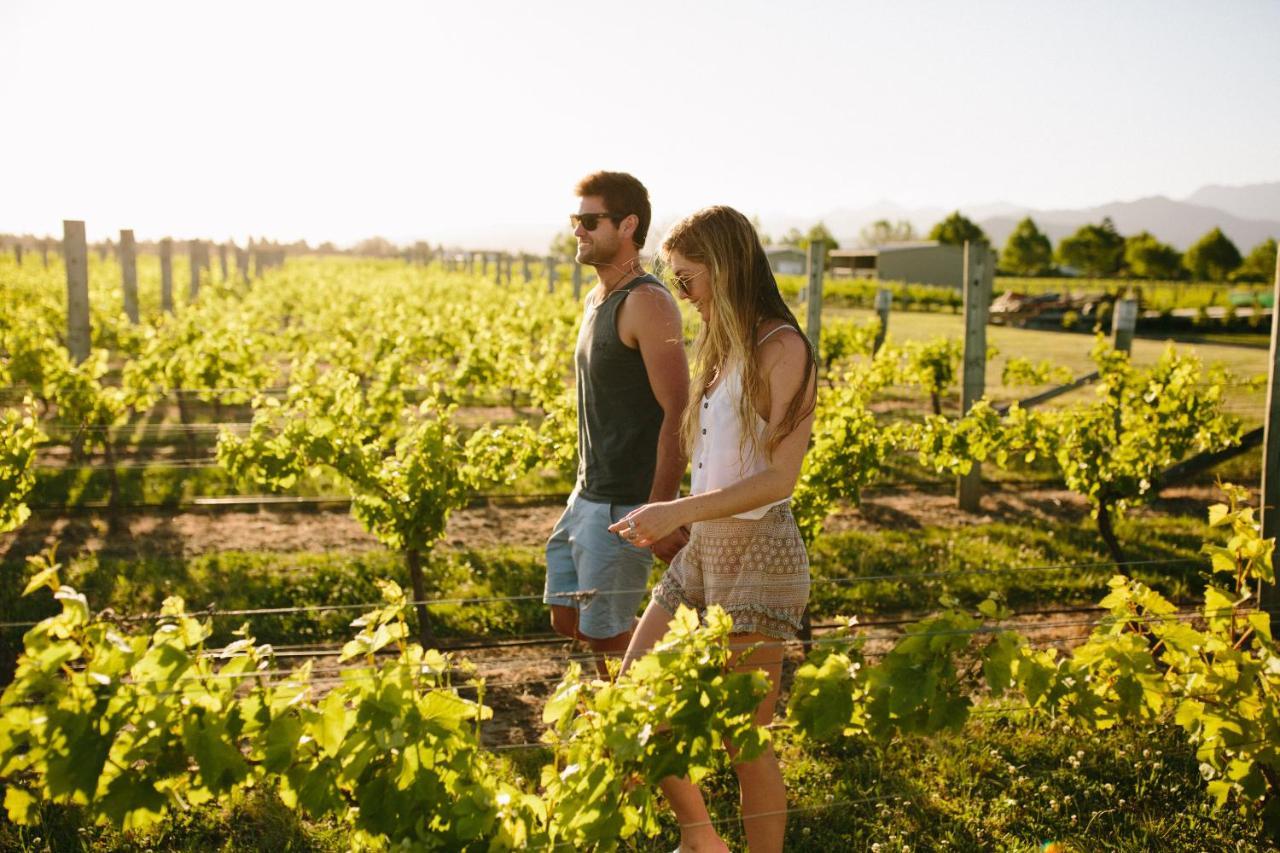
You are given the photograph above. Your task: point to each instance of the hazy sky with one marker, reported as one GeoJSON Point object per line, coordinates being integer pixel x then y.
{"type": "Point", "coordinates": [444, 120]}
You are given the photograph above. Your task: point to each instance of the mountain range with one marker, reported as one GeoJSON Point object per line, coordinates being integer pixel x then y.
{"type": "Point", "coordinates": [1247, 214]}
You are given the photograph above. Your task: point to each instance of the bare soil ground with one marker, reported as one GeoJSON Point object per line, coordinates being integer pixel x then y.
{"type": "Point", "coordinates": [187, 533]}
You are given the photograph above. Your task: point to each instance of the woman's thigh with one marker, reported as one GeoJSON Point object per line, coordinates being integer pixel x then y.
{"type": "Point", "coordinates": [757, 651]}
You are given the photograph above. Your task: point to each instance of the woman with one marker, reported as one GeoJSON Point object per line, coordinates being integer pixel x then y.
{"type": "Point", "coordinates": [746, 429]}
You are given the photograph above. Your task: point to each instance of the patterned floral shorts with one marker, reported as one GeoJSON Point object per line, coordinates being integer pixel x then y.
{"type": "Point", "coordinates": [757, 570]}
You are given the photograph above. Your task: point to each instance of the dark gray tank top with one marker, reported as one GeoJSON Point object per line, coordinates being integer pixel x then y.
{"type": "Point", "coordinates": [619, 419]}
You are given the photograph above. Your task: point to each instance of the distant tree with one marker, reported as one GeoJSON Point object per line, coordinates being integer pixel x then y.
{"type": "Point", "coordinates": [822, 234]}
{"type": "Point", "coordinates": [1147, 257]}
{"type": "Point", "coordinates": [1260, 264]}
{"type": "Point", "coordinates": [883, 231]}
{"type": "Point", "coordinates": [1213, 257]}
{"type": "Point", "coordinates": [1095, 250]}
{"type": "Point", "coordinates": [1027, 251]}
{"type": "Point", "coordinates": [958, 229]}
{"type": "Point", "coordinates": [564, 245]}
{"type": "Point", "coordinates": [327, 248]}
{"type": "Point", "coordinates": [374, 247]}
{"type": "Point", "coordinates": [793, 237]}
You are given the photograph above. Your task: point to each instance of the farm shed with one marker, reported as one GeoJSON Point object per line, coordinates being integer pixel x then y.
{"type": "Point", "coordinates": [786, 260]}
{"type": "Point", "coordinates": [923, 262]}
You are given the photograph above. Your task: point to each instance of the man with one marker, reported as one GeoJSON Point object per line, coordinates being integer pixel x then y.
{"type": "Point", "coordinates": [632, 384]}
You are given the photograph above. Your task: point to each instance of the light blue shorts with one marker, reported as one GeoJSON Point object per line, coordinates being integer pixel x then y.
{"type": "Point", "coordinates": [583, 555]}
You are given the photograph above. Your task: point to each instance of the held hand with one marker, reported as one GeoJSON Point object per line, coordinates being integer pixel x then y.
{"type": "Point", "coordinates": [666, 548]}
{"type": "Point", "coordinates": [645, 525]}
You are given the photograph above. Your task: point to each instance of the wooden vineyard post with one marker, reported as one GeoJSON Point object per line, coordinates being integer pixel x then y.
{"type": "Point", "coordinates": [76, 253]}
{"type": "Point", "coordinates": [1268, 600]}
{"type": "Point", "coordinates": [44, 253]}
{"type": "Point", "coordinates": [193, 255]}
{"type": "Point", "coordinates": [813, 292]}
{"type": "Point", "coordinates": [242, 263]}
{"type": "Point", "coordinates": [1124, 319]}
{"type": "Point", "coordinates": [978, 278]}
{"type": "Point", "coordinates": [222, 260]}
{"type": "Point", "coordinates": [507, 268]}
{"type": "Point", "coordinates": [166, 275]}
{"type": "Point", "coordinates": [577, 281]}
{"type": "Point", "coordinates": [17, 253]}
{"type": "Point", "coordinates": [884, 302]}
{"type": "Point", "coordinates": [551, 274]}
{"type": "Point", "coordinates": [257, 260]}
{"type": "Point", "coordinates": [129, 273]}
{"type": "Point", "coordinates": [524, 268]}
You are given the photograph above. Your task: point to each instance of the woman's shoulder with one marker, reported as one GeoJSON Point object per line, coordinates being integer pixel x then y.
{"type": "Point", "coordinates": [778, 332]}
{"type": "Point", "coordinates": [781, 343]}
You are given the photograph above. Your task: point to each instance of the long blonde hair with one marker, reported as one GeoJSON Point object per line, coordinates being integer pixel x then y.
{"type": "Point", "coordinates": [744, 294]}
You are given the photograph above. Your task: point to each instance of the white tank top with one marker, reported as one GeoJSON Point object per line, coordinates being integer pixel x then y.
{"type": "Point", "coordinates": [719, 457]}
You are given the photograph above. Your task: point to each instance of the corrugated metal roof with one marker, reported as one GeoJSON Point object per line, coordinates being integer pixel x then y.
{"type": "Point", "coordinates": [904, 246]}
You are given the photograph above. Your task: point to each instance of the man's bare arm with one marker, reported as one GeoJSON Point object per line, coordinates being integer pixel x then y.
{"type": "Point", "coordinates": [651, 322]}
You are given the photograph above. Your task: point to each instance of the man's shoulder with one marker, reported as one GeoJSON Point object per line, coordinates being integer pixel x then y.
{"type": "Point", "coordinates": [649, 295]}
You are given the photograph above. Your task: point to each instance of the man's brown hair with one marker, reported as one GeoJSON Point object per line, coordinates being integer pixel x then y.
{"type": "Point", "coordinates": [623, 195]}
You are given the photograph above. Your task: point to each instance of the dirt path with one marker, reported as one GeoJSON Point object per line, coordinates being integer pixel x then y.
{"type": "Point", "coordinates": [185, 534]}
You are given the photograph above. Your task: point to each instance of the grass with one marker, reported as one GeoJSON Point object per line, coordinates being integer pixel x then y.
{"type": "Point", "coordinates": [1007, 557]}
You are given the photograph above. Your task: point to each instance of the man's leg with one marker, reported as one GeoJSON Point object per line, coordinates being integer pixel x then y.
{"type": "Point", "coordinates": [564, 621]}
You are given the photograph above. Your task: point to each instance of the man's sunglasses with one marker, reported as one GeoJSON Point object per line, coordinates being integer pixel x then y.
{"type": "Point", "coordinates": [591, 221]}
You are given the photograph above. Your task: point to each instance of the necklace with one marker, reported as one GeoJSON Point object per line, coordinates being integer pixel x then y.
{"type": "Point", "coordinates": [623, 281]}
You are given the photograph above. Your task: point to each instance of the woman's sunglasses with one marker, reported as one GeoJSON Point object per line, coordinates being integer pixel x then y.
{"type": "Point", "coordinates": [591, 221]}
{"type": "Point", "coordinates": [683, 284]}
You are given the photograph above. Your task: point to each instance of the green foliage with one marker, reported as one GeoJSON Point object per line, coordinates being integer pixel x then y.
{"type": "Point", "coordinates": [932, 365]}
{"type": "Point", "coordinates": [134, 727]}
{"type": "Point", "coordinates": [1095, 250]}
{"type": "Point", "coordinates": [1142, 664]}
{"type": "Point", "coordinates": [1027, 251]}
{"type": "Point", "coordinates": [672, 713]}
{"type": "Point", "coordinates": [19, 436]}
{"type": "Point", "coordinates": [842, 339]}
{"type": "Point", "coordinates": [1220, 683]}
{"type": "Point", "coordinates": [1213, 257]}
{"type": "Point", "coordinates": [848, 448]}
{"type": "Point", "coordinates": [918, 687]}
{"type": "Point", "coordinates": [1111, 451]}
{"type": "Point", "coordinates": [212, 348]}
{"type": "Point", "coordinates": [406, 468]}
{"type": "Point", "coordinates": [956, 230]}
{"type": "Point", "coordinates": [1259, 264]}
{"type": "Point", "coordinates": [819, 233]}
{"type": "Point", "coordinates": [955, 445]}
{"type": "Point", "coordinates": [1147, 257]}
{"type": "Point", "coordinates": [1143, 421]}
{"type": "Point", "coordinates": [1023, 371]}
{"type": "Point", "coordinates": [146, 725]}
